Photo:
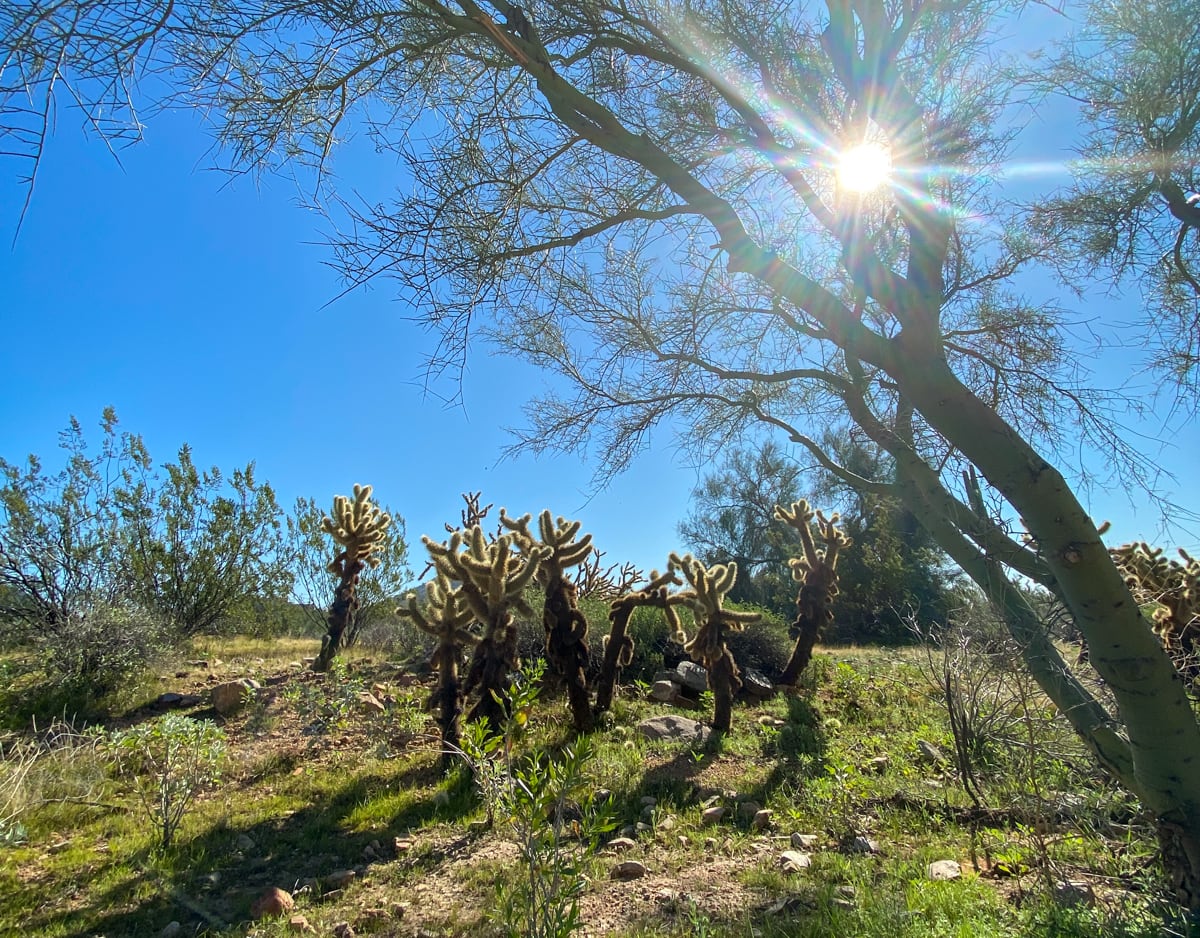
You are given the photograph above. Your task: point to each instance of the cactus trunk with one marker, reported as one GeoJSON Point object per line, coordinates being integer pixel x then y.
{"type": "Point", "coordinates": [566, 647]}
{"type": "Point", "coordinates": [341, 614]}
{"type": "Point", "coordinates": [493, 659]}
{"type": "Point", "coordinates": [618, 652]}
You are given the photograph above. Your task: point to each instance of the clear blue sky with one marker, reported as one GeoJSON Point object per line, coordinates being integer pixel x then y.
{"type": "Point", "coordinates": [195, 307]}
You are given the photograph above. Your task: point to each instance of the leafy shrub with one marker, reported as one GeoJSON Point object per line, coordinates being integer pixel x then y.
{"type": "Point", "coordinates": [170, 760]}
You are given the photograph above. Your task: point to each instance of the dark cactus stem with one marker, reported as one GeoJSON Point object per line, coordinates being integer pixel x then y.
{"type": "Point", "coordinates": [341, 613]}
{"type": "Point", "coordinates": [494, 658]}
{"type": "Point", "coordinates": [812, 615]}
{"type": "Point", "coordinates": [725, 681]}
{"type": "Point", "coordinates": [566, 647]}
{"type": "Point", "coordinates": [447, 699]}
{"type": "Point", "coordinates": [617, 654]}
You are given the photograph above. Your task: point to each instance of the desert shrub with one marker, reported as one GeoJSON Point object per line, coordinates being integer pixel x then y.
{"type": "Point", "coordinates": [765, 647]}
{"type": "Point", "coordinates": [170, 760]}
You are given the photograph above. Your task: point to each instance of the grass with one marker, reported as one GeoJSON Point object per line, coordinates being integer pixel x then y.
{"type": "Point", "coordinates": [301, 802]}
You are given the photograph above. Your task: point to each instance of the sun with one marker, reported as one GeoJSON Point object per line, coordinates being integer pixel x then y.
{"type": "Point", "coordinates": [864, 168]}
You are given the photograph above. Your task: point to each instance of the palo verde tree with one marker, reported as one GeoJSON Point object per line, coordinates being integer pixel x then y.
{"type": "Point", "coordinates": [561, 548]}
{"type": "Point", "coordinates": [732, 212]}
{"type": "Point", "coordinates": [359, 528]}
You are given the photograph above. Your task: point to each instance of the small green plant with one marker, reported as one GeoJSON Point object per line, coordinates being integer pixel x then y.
{"type": "Point", "coordinates": [532, 794]}
{"type": "Point", "coordinates": [328, 705]}
{"type": "Point", "coordinates": [171, 760]}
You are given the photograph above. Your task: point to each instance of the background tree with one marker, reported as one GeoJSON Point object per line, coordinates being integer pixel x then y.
{"type": "Point", "coordinates": [380, 588]}
{"type": "Point", "coordinates": [199, 545]}
{"type": "Point", "coordinates": [645, 198]}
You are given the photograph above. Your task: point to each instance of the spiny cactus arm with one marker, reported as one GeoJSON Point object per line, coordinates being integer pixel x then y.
{"type": "Point", "coordinates": [800, 517]}
{"type": "Point", "coordinates": [358, 525]}
{"type": "Point", "coordinates": [519, 527]}
{"type": "Point", "coordinates": [835, 539]}
{"type": "Point", "coordinates": [560, 536]}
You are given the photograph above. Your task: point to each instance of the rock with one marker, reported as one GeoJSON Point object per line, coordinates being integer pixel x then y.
{"type": "Point", "coordinates": [228, 698]}
{"type": "Point", "coordinates": [628, 869]}
{"type": "Point", "coordinates": [876, 766]}
{"type": "Point", "coordinates": [667, 823]}
{"type": "Point", "coordinates": [861, 844]}
{"type": "Point", "coordinates": [692, 676]}
{"type": "Point", "coordinates": [272, 903]}
{"type": "Point", "coordinates": [712, 815]}
{"type": "Point", "coordinates": [1074, 893]}
{"type": "Point", "coordinates": [168, 702]}
{"type": "Point", "coordinates": [629, 831]}
{"type": "Point", "coordinates": [664, 691]}
{"type": "Point", "coordinates": [672, 728]}
{"type": "Point", "coordinates": [804, 841]}
{"type": "Point", "coordinates": [747, 809]}
{"type": "Point", "coordinates": [343, 930]}
{"type": "Point", "coordinates": [941, 870]}
{"type": "Point", "coordinates": [170, 930]}
{"type": "Point", "coordinates": [182, 673]}
{"type": "Point", "coordinates": [686, 703]}
{"type": "Point", "coordinates": [602, 796]}
{"type": "Point", "coordinates": [642, 828]}
{"type": "Point", "coordinates": [671, 675]}
{"type": "Point", "coordinates": [621, 844]}
{"type": "Point", "coordinates": [402, 845]}
{"type": "Point", "coordinates": [793, 861]}
{"type": "Point", "coordinates": [756, 684]}
{"type": "Point", "coordinates": [648, 801]}
{"type": "Point", "coordinates": [762, 819]}
{"type": "Point", "coordinates": [369, 703]}
{"type": "Point", "coordinates": [244, 843]}
{"type": "Point", "coordinates": [929, 752]}
{"type": "Point", "coordinates": [789, 905]}
{"type": "Point", "coordinates": [299, 923]}
{"type": "Point", "coordinates": [340, 879]}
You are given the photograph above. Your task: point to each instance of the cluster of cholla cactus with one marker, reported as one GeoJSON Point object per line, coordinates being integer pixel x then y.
{"type": "Point", "coordinates": [618, 644]}
{"type": "Point", "coordinates": [491, 576]}
{"type": "Point", "coordinates": [560, 548]}
{"type": "Point", "coordinates": [708, 648]}
{"type": "Point", "coordinates": [448, 618]}
{"type": "Point", "coordinates": [816, 572]}
{"type": "Point", "coordinates": [359, 527]}
{"type": "Point", "coordinates": [1173, 587]}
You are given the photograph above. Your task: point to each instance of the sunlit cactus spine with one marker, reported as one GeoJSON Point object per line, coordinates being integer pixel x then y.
{"type": "Point", "coordinates": [565, 625]}
{"type": "Point", "coordinates": [359, 527]}
{"type": "Point", "coordinates": [1173, 588]}
{"type": "Point", "coordinates": [618, 644]}
{"type": "Point", "coordinates": [447, 618]}
{"type": "Point", "coordinates": [816, 572]}
{"type": "Point", "coordinates": [492, 576]}
{"type": "Point", "coordinates": [708, 648]}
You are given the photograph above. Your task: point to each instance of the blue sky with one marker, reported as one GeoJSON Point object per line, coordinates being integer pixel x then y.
{"type": "Point", "coordinates": [196, 307]}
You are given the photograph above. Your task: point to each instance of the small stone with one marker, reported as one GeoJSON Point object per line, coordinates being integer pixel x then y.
{"type": "Point", "coordinates": [667, 823]}
{"type": "Point", "coordinates": [602, 796]}
{"type": "Point", "coordinates": [692, 676]}
{"type": "Point", "coordinates": [929, 752]}
{"type": "Point", "coordinates": [664, 691]}
{"type": "Point", "coordinates": [299, 923]}
{"type": "Point", "coordinates": [793, 861]}
{"type": "Point", "coordinates": [672, 728]}
{"type": "Point", "coordinates": [1074, 893]}
{"type": "Point", "coordinates": [629, 831]}
{"type": "Point", "coordinates": [710, 844]}
{"type": "Point", "coordinates": [756, 684]}
{"type": "Point", "coordinates": [762, 819]}
{"type": "Point", "coordinates": [369, 853]}
{"type": "Point", "coordinates": [861, 844]}
{"type": "Point", "coordinates": [941, 870]}
{"type": "Point", "coordinates": [228, 698]}
{"type": "Point", "coordinates": [648, 812]}
{"type": "Point", "coordinates": [340, 879]}
{"type": "Point", "coordinates": [747, 809]}
{"type": "Point", "coordinates": [170, 930]}
{"type": "Point", "coordinates": [712, 815]}
{"type": "Point", "coordinates": [804, 841]}
{"type": "Point", "coordinates": [369, 703]}
{"type": "Point", "coordinates": [789, 905]}
{"type": "Point", "coordinates": [168, 702]}
{"type": "Point", "coordinates": [648, 802]}
{"type": "Point", "coordinates": [628, 869]}
{"type": "Point", "coordinates": [181, 673]}
{"type": "Point", "coordinates": [847, 892]}
{"type": "Point", "coordinates": [621, 844]}
{"type": "Point", "coordinates": [244, 843]}
{"type": "Point", "coordinates": [272, 903]}
{"type": "Point", "coordinates": [641, 828]}
{"type": "Point", "coordinates": [683, 841]}
{"type": "Point", "coordinates": [686, 703]}
{"type": "Point", "coordinates": [876, 766]}
{"type": "Point", "coordinates": [343, 930]}
{"type": "Point", "coordinates": [402, 845]}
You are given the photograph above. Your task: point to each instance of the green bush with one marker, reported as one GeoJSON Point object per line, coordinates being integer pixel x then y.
{"type": "Point", "coordinates": [170, 760]}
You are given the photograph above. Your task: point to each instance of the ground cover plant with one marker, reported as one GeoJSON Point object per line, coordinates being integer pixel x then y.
{"type": "Point", "coordinates": [854, 771]}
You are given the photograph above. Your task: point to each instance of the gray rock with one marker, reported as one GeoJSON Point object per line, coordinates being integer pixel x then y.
{"type": "Point", "coordinates": [340, 879]}
{"type": "Point", "coordinates": [648, 801]}
{"type": "Point", "coordinates": [712, 815]}
{"type": "Point", "coordinates": [756, 684]}
{"type": "Point", "coordinates": [244, 843]}
{"type": "Point", "coordinates": [862, 844]}
{"type": "Point", "coordinates": [747, 809]}
{"type": "Point", "coordinates": [804, 841]}
{"type": "Point", "coordinates": [672, 676]}
{"type": "Point", "coordinates": [228, 698]}
{"type": "Point", "coordinates": [621, 844]}
{"type": "Point", "coordinates": [664, 691]}
{"type": "Point", "coordinates": [1074, 893]}
{"type": "Point", "coordinates": [692, 676]}
{"type": "Point", "coordinates": [793, 861]}
{"type": "Point", "coordinates": [672, 728]}
{"type": "Point", "coordinates": [762, 819]}
{"type": "Point", "coordinates": [170, 930]}
{"type": "Point", "coordinates": [941, 870]}
{"type": "Point", "coordinates": [876, 766]}
{"type": "Point", "coordinates": [628, 869]}
{"type": "Point", "coordinates": [930, 753]}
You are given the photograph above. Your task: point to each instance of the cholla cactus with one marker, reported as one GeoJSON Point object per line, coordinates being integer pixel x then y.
{"type": "Point", "coordinates": [618, 644]}
{"type": "Point", "coordinates": [566, 627]}
{"type": "Point", "coordinates": [1174, 590]}
{"type": "Point", "coordinates": [816, 572]}
{"type": "Point", "coordinates": [447, 618]}
{"type": "Point", "coordinates": [359, 527]}
{"type": "Point", "coordinates": [492, 576]}
{"type": "Point", "coordinates": [708, 648]}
